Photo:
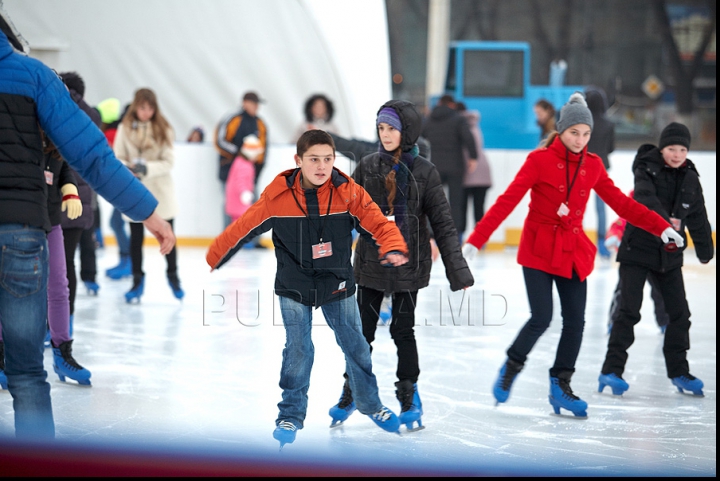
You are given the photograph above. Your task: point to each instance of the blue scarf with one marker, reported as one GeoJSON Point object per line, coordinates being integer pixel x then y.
{"type": "Point", "coordinates": [402, 176]}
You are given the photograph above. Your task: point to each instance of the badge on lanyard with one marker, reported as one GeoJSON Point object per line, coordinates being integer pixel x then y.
{"type": "Point", "coordinates": [48, 177]}
{"type": "Point", "coordinates": [323, 249]}
{"type": "Point", "coordinates": [563, 210]}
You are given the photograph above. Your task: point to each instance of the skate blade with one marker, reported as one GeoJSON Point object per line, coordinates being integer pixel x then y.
{"type": "Point", "coordinates": [569, 416]}
{"type": "Point", "coordinates": [337, 424]}
{"type": "Point", "coordinates": [413, 430]}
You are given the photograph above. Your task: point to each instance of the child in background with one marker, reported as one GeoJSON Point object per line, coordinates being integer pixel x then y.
{"type": "Point", "coordinates": [144, 142]}
{"type": "Point", "coordinates": [667, 182]}
{"type": "Point", "coordinates": [312, 211]}
{"type": "Point", "coordinates": [408, 190]}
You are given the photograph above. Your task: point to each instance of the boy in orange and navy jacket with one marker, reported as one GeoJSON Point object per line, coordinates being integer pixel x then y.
{"type": "Point", "coordinates": [312, 211]}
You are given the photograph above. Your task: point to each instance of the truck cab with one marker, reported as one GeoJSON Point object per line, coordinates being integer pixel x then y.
{"type": "Point", "coordinates": [494, 78]}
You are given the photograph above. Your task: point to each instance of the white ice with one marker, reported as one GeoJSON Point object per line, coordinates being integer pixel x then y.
{"type": "Point", "coordinates": [204, 374]}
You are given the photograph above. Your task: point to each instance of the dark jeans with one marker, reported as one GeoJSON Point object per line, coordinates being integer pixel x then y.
{"type": "Point", "coordinates": [137, 236]}
{"type": "Point", "coordinates": [573, 296]}
{"type": "Point", "coordinates": [71, 238]}
{"type": "Point", "coordinates": [343, 318]}
{"type": "Point", "coordinates": [677, 335]}
{"type": "Point", "coordinates": [401, 327]}
{"type": "Point", "coordinates": [456, 196]}
{"type": "Point", "coordinates": [478, 195]}
{"type": "Point", "coordinates": [23, 311]}
{"type": "Point", "coordinates": [661, 316]}
{"type": "Point", "coordinates": [118, 226]}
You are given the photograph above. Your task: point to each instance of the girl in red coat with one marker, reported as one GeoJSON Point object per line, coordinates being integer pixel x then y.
{"type": "Point", "coordinates": [554, 247]}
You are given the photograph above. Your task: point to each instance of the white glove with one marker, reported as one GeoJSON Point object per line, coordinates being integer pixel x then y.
{"type": "Point", "coordinates": [469, 251]}
{"type": "Point", "coordinates": [671, 234]}
{"type": "Point", "coordinates": [612, 242]}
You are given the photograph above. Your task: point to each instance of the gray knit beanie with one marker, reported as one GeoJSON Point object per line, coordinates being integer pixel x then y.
{"type": "Point", "coordinates": [574, 112]}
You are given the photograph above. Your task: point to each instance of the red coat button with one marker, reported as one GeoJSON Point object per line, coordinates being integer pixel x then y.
{"type": "Point", "coordinates": [578, 212]}
{"type": "Point", "coordinates": [561, 188]}
{"type": "Point", "coordinates": [560, 166]}
{"type": "Point", "coordinates": [576, 230]}
{"type": "Point", "coordinates": [582, 172]}
{"type": "Point", "coordinates": [583, 193]}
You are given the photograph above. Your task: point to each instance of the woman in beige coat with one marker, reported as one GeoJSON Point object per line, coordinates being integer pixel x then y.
{"type": "Point", "coordinates": [144, 142]}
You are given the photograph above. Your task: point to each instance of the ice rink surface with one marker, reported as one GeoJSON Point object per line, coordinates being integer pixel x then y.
{"type": "Point", "coordinates": [203, 374]}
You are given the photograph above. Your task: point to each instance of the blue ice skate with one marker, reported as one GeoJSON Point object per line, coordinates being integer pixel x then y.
{"type": "Point", "coordinates": [386, 419]}
{"type": "Point", "coordinates": [92, 288]}
{"type": "Point", "coordinates": [616, 383]}
{"type": "Point", "coordinates": [508, 373]}
{"type": "Point", "coordinates": [177, 291]}
{"type": "Point", "coordinates": [136, 292]}
{"type": "Point", "coordinates": [561, 396]}
{"type": "Point", "coordinates": [123, 269]}
{"type": "Point", "coordinates": [285, 433]}
{"type": "Point", "coordinates": [344, 408]}
{"type": "Point", "coordinates": [66, 366]}
{"type": "Point", "coordinates": [410, 405]}
{"type": "Point", "coordinates": [386, 311]}
{"type": "Point", "coordinates": [46, 342]}
{"type": "Point", "coordinates": [3, 377]}
{"type": "Point", "coordinates": [688, 382]}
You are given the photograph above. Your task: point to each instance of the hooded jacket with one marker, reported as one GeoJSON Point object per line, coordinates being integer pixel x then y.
{"type": "Point", "coordinates": [30, 95]}
{"type": "Point", "coordinates": [425, 201]}
{"type": "Point", "coordinates": [671, 192]}
{"type": "Point", "coordinates": [297, 216]}
{"type": "Point", "coordinates": [550, 243]}
{"type": "Point", "coordinates": [448, 134]}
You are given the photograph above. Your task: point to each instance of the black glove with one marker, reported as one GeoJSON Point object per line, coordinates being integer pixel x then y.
{"type": "Point", "coordinates": [139, 170]}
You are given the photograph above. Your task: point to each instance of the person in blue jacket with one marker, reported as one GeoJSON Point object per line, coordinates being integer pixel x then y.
{"type": "Point", "coordinates": [32, 97]}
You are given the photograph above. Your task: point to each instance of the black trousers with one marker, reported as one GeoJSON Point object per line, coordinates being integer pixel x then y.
{"type": "Point", "coordinates": [677, 335]}
{"type": "Point", "coordinates": [661, 316]}
{"type": "Point", "coordinates": [71, 239]}
{"type": "Point", "coordinates": [456, 196]}
{"type": "Point", "coordinates": [573, 296]}
{"type": "Point", "coordinates": [478, 195]}
{"type": "Point", "coordinates": [401, 327]}
{"type": "Point", "coordinates": [88, 264]}
{"type": "Point", "coordinates": [137, 236]}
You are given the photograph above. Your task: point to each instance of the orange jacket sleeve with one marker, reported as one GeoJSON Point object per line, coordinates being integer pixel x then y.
{"type": "Point", "coordinates": [250, 225]}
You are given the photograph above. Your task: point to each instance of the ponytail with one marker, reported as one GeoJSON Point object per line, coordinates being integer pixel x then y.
{"type": "Point", "coordinates": [390, 182]}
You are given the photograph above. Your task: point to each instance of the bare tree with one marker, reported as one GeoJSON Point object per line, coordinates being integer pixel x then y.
{"type": "Point", "coordinates": [684, 76]}
{"type": "Point", "coordinates": [559, 49]}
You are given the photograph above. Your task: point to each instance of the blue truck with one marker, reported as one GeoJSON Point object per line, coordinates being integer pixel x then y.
{"type": "Point", "coordinates": [494, 78]}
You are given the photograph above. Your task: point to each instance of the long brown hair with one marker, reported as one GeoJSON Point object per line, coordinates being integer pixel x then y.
{"type": "Point", "coordinates": [391, 183]}
{"type": "Point", "coordinates": [160, 125]}
{"type": "Point", "coordinates": [549, 124]}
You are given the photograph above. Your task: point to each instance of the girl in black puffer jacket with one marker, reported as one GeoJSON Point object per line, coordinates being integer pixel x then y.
{"type": "Point", "coordinates": [408, 190]}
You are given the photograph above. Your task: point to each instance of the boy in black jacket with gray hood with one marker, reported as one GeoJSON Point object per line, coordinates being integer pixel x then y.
{"type": "Point", "coordinates": [667, 182]}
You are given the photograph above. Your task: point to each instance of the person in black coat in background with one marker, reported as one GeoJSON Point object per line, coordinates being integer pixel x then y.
{"type": "Point", "coordinates": [602, 143]}
{"type": "Point", "coordinates": [448, 134]}
{"type": "Point", "coordinates": [408, 190]}
{"type": "Point", "coordinates": [667, 182]}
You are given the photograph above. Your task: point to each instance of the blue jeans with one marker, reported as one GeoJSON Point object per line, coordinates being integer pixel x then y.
{"type": "Point", "coordinates": [118, 226]}
{"type": "Point", "coordinates": [23, 312]}
{"type": "Point", "coordinates": [343, 318]}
